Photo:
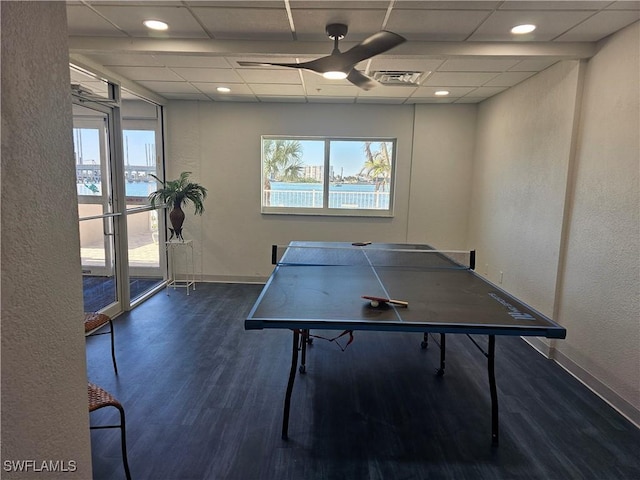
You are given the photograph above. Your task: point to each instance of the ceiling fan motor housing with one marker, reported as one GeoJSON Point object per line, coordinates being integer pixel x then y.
{"type": "Point", "coordinates": [337, 30]}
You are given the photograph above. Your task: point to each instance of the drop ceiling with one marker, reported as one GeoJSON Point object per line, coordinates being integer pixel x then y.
{"type": "Point", "coordinates": [464, 47]}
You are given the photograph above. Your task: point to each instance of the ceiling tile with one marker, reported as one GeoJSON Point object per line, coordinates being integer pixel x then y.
{"type": "Point", "coordinates": [186, 96]}
{"type": "Point", "coordinates": [146, 73]}
{"type": "Point", "coordinates": [430, 92]}
{"type": "Point", "coordinates": [388, 92]}
{"type": "Point", "coordinates": [333, 91]}
{"type": "Point", "coordinates": [381, 100]}
{"type": "Point", "coordinates": [487, 91]}
{"type": "Point", "coordinates": [477, 65]}
{"type": "Point", "coordinates": [83, 20]}
{"type": "Point", "coordinates": [600, 25]}
{"type": "Point", "coordinates": [208, 74]}
{"type": "Point", "coordinates": [532, 65]}
{"type": "Point", "coordinates": [193, 61]}
{"type": "Point", "coordinates": [470, 100]}
{"type": "Point", "coordinates": [448, 5]}
{"type": "Point", "coordinates": [169, 87]}
{"type": "Point", "coordinates": [431, 100]}
{"type": "Point", "coordinates": [331, 99]}
{"type": "Point", "coordinates": [458, 79]}
{"type": "Point", "coordinates": [497, 27]}
{"type": "Point", "coordinates": [281, 99]}
{"type": "Point", "coordinates": [508, 79]}
{"type": "Point", "coordinates": [210, 88]}
{"type": "Point", "coordinates": [128, 60]}
{"type": "Point", "coordinates": [276, 90]}
{"type": "Point", "coordinates": [235, 98]}
{"type": "Point", "coordinates": [554, 5]}
{"type": "Point", "coordinates": [625, 5]}
{"type": "Point", "coordinates": [435, 25]}
{"type": "Point", "coordinates": [245, 23]}
{"type": "Point", "coordinates": [129, 18]}
{"type": "Point", "coordinates": [340, 4]}
{"type": "Point", "coordinates": [267, 75]}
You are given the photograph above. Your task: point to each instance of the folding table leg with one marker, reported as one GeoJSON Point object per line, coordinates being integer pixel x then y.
{"type": "Point", "coordinates": [443, 347]}
{"type": "Point", "coordinates": [304, 339]}
{"type": "Point", "coordinates": [292, 377]}
{"type": "Point", "coordinates": [491, 354]}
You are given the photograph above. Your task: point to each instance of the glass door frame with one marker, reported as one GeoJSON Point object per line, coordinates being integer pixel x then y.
{"type": "Point", "coordinates": [117, 216]}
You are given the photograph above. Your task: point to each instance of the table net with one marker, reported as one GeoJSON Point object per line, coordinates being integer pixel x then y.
{"type": "Point", "coordinates": [375, 255]}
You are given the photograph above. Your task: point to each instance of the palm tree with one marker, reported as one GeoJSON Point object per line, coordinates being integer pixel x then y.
{"type": "Point", "coordinates": [177, 193]}
{"type": "Point", "coordinates": [378, 165]}
{"type": "Point", "coordinates": [282, 161]}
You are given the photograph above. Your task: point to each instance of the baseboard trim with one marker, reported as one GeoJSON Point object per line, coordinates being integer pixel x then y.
{"type": "Point", "coordinates": [614, 400]}
{"type": "Point", "coordinates": [231, 279]}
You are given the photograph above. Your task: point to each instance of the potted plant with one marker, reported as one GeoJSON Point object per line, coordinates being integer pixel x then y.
{"type": "Point", "coordinates": [178, 193]}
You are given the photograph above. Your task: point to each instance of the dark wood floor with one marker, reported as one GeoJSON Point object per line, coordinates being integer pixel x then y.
{"type": "Point", "coordinates": [204, 397]}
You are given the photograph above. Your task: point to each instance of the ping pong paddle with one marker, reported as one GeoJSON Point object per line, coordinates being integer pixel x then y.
{"type": "Point", "coordinates": [381, 300]}
{"type": "Point", "coordinates": [361, 244]}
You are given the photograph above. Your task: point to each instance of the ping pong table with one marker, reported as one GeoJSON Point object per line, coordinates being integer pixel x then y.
{"type": "Point", "coordinates": [320, 285]}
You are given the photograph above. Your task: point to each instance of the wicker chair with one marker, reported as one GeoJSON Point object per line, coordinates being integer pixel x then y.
{"type": "Point", "coordinates": [94, 322]}
{"type": "Point", "coordinates": [100, 398]}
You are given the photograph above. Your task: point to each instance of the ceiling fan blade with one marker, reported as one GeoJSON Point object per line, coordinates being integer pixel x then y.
{"type": "Point", "coordinates": [361, 80]}
{"type": "Point", "coordinates": [374, 45]}
{"type": "Point", "coordinates": [267, 64]}
{"type": "Point", "coordinates": [319, 65]}
{"type": "Point", "coordinates": [344, 62]}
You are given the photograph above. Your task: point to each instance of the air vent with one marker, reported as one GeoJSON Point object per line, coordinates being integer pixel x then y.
{"type": "Point", "coordinates": [393, 77]}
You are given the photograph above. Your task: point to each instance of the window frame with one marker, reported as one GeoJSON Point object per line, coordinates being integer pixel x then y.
{"type": "Point", "coordinates": [326, 210]}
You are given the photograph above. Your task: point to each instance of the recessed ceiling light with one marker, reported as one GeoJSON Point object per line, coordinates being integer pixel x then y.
{"type": "Point", "coordinates": [155, 25]}
{"type": "Point", "coordinates": [522, 29]}
{"type": "Point", "coordinates": [337, 75]}
{"type": "Point", "coordinates": [223, 89]}
{"type": "Point", "coordinates": [442, 93]}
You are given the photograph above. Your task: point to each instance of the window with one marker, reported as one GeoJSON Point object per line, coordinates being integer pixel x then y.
{"type": "Point", "coordinates": [328, 176]}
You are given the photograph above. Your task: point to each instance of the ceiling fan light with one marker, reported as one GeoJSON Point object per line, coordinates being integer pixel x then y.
{"type": "Point", "coordinates": [522, 29]}
{"type": "Point", "coordinates": [334, 75]}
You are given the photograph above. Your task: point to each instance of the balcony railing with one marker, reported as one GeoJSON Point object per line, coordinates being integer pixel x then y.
{"type": "Point", "coordinates": [337, 199]}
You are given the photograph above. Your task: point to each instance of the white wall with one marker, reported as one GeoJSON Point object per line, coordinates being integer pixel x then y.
{"type": "Point", "coordinates": [44, 390]}
{"type": "Point", "coordinates": [555, 207]}
{"type": "Point", "coordinates": [220, 144]}
{"type": "Point", "coordinates": [599, 302]}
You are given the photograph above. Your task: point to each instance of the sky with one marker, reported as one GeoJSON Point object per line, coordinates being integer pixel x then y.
{"type": "Point", "coordinates": [344, 154]}
{"type": "Point", "coordinates": [135, 145]}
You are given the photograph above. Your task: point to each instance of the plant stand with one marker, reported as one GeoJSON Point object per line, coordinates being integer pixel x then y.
{"type": "Point", "coordinates": [184, 248]}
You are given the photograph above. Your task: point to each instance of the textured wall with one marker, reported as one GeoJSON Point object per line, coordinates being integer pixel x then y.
{"type": "Point", "coordinates": [600, 298]}
{"type": "Point", "coordinates": [44, 396]}
{"type": "Point", "coordinates": [523, 145]}
{"type": "Point", "coordinates": [562, 223]}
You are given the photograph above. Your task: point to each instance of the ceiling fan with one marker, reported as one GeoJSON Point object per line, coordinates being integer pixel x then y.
{"type": "Point", "coordinates": [340, 65]}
